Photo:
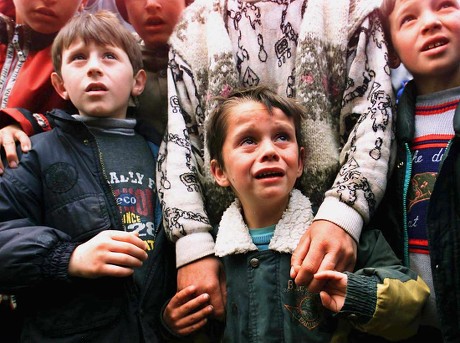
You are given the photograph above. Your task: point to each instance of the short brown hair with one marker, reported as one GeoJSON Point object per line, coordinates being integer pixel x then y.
{"type": "Point", "coordinates": [216, 128]}
{"type": "Point", "coordinates": [386, 8]}
{"type": "Point", "coordinates": [102, 28]}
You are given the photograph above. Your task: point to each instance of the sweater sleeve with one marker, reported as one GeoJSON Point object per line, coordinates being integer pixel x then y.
{"type": "Point", "coordinates": [365, 132]}
{"type": "Point", "coordinates": [383, 298]}
{"type": "Point", "coordinates": [181, 156]}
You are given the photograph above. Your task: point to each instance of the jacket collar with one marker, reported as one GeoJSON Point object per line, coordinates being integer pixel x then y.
{"type": "Point", "coordinates": [233, 236]}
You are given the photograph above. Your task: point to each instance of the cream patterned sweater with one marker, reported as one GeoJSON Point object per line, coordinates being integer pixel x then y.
{"type": "Point", "coordinates": [330, 55]}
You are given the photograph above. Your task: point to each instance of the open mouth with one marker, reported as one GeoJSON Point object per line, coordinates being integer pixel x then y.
{"type": "Point", "coordinates": [267, 175]}
{"type": "Point", "coordinates": [434, 45]}
{"type": "Point", "coordinates": [96, 88]}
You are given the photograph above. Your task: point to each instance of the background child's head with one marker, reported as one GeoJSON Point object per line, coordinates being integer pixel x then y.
{"type": "Point", "coordinates": [425, 36]}
{"type": "Point", "coordinates": [153, 20]}
{"type": "Point", "coordinates": [217, 126]}
{"type": "Point", "coordinates": [46, 16]}
{"type": "Point", "coordinates": [102, 28]}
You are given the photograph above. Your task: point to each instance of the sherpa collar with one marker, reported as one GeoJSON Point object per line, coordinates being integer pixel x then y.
{"type": "Point", "coordinates": [233, 235]}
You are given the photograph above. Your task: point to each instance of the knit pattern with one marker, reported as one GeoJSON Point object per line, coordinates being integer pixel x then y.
{"type": "Point", "coordinates": [339, 73]}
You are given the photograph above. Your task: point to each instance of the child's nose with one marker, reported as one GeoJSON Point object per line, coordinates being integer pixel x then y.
{"type": "Point", "coordinates": [269, 151]}
{"type": "Point", "coordinates": [430, 21]}
{"type": "Point", "coordinates": [94, 67]}
{"type": "Point", "coordinates": [153, 4]}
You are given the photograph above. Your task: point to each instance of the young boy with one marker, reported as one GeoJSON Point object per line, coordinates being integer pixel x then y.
{"type": "Point", "coordinates": [82, 244]}
{"type": "Point", "coordinates": [420, 212]}
{"type": "Point", "coordinates": [254, 142]}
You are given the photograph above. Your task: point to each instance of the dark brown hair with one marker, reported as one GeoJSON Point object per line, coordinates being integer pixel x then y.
{"type": "Point", "coordinates": [216, 128]}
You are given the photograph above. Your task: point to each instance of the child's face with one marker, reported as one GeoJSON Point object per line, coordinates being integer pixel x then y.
{"type": "Point", "coordinates": [154, 20]}
{"type": "Point", "coordinates": [260, 153]}
{"type": "Point", "coordinates": [45, 16]}
{"type": "Point", "coordinates": [426, 37]}
{"type": "Point", "coordinates": [98, 79]}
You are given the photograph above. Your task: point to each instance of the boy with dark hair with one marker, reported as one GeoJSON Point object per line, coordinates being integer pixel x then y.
{"type": "Point", "coordinates": [255, 146]}
{"type": "Point", "coordinates": [81, 240]}
{"type": "Point", "coordinates": [420, 212]}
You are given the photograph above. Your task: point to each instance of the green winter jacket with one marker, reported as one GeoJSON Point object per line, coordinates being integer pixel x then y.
{"type": "Point", "coordinates": [264, 304]}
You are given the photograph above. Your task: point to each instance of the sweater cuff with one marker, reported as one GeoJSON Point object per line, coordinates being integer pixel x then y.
{"type": "Point", "coordinates": [360, 299]}
{"type": "Point", "coordinates": [193, 246]}
{"type": "Point", "coordinates": [341, 214]}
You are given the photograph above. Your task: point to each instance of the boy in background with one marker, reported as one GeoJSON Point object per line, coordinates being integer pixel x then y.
{"type": "Point", "coordinates": [82, 243]}
{"type": "Point", "coordinates": [420, 213]}
{"type": "Point", "coordinates": [255, 146]}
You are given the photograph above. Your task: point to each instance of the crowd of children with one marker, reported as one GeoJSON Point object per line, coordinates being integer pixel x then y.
{"type": "Point", "coordinates": [269, 215]}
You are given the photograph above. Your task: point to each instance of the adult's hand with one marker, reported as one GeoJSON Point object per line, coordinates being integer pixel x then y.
{"type": "Point", "coordinates": [9, 135]}
{"type": "Point", "coordinates": [324, 246]}
{"type": "Point", "coordinates": [207, 276]}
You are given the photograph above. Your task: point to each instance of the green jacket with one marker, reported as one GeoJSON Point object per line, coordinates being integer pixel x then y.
{"type": "Point", "coordinates": [265, 305]}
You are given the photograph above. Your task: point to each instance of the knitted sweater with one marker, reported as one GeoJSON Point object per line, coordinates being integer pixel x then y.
{"type": "Point", "coordinates": [332, 59]}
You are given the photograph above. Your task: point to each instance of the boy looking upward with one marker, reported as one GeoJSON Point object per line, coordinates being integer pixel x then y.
{"type": "Point", "coordinates": [82, 245]}
{"type": "Point", "coordinates": [420, 212]}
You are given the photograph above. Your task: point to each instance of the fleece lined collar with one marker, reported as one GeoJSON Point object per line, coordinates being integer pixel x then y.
{"type": "Point", "coordinates": [233, 235]}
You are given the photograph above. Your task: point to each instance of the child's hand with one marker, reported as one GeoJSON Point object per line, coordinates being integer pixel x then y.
{"type": "Point", "coordinates": [186, 312]}
{"type": "Point", "coordinates": [109, 253]}
{"type": "Point", "coordinates": [334, 290]}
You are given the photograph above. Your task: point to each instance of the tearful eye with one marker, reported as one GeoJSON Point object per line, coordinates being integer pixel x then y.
{"type": "Point", "coordinates": [248, 141]}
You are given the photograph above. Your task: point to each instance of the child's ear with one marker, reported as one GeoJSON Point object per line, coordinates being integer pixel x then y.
{"type": "Point", "coordinates": [58, 85]}
{"type": "Point", "coordinates": [219, 174]}
{"type": "Point", "coordinates": [301, 161]}
{"type": "Point", "coordinates": [139, 83]}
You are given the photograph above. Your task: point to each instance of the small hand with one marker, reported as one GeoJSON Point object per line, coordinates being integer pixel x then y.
{"type": "Point", "coordinates": [335, 289]}
{"type": "Point", "coordinates": [208, 277]}
{"type": "Point", "coordinates": [187, 312]}
{"type": "Point", "coordinates": [109, 253]}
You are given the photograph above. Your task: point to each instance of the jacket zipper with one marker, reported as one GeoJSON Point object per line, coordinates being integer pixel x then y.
{"type": "Point", "coordinates": [407, 176]}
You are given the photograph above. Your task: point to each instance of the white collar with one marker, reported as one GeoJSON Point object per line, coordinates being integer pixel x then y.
{"type": "Point", "coordinates": [233, 235]}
